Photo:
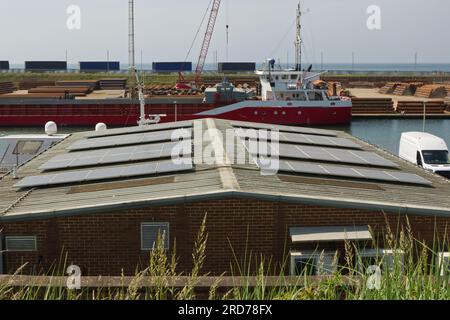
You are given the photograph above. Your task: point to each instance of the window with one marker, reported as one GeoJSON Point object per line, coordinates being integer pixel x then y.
{"type": "Point", "coordinates": [1, 254]}
{"type": "Point", "coordinates": [311, 264]}
{"type": "Point", "coordinates": [301, 96]}
{"type": "Point", "coordinates": [443, 263]}
{"type": "Point", "coordinates": [436, 157]}
{"type": "Point", "coordinates": [28, 147]}
{"type": "Point", "coordinates": [150, 233]}
{"type": "Point", "coordinates": [419, 160]}
{"type": "Point", "coordinates": [21, 244]}
{"type": "Point", "coordinates": [315, 96]}
{"type": "Point", "coordinates": [385, 259]}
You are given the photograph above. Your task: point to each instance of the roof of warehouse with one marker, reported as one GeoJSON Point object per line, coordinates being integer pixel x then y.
{"type": "Point", "coordinates": [212, 181]}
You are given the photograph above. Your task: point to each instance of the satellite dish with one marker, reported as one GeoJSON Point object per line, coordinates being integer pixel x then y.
{"type": "Point", "coordinates": [51, 128]}
{"type": "Point", "coordinates": [101, 127]}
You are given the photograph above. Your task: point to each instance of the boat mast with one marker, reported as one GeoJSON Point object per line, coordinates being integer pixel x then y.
{"type": "Point", "coordinates": [298, 40]}
{"type": "Point", "coordinates": [131, 53]}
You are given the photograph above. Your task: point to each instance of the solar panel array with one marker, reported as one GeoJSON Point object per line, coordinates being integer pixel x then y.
{"type": "Point", "coordinates": [142, 169]}
{"type": "Point", "coordinates": [131, 139]}
{"type": "Point", "coordinates": [325, 155]}
{"type": "Point", "coordinates": [132, 130]}
{"type": "Point", "coordinates": [349, 172]}
{"type": "Point", "coordinates": [300, 138]}
{"type": "Point", "coordinates": [120, 155]}
{"type": "Point", "coordinates": [320, 153]}
{"type": "Point", "coordinates": [311, 131]}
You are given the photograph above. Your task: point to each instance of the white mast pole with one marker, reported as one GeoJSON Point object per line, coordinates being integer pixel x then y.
{"type": "Point", "coordinates": [131, 59]}
{"type": "Point", "coordinates": [298, 40]}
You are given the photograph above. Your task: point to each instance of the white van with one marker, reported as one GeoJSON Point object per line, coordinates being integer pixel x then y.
{"type": "Point", "coordinates": [427, 151]}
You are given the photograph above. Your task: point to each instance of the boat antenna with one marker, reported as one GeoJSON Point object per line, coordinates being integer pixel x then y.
{"type": "Point", "coordinates": [131, 53]}
{"type": "Point", "coordinates": [298, 39]}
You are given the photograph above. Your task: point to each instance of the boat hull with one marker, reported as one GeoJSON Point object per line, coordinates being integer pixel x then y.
{"type": "Point", "coordinates": [121, 114]}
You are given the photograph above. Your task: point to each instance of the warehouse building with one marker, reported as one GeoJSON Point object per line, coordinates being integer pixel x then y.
{"type": "Point", "coordinates": [102, 198]}
{"type": "Point", "coordinates": [171, 67]}
{"type": "Point", "coordinates": [46, 65]}
{"type": "Point", "coordinates": [4, 65]}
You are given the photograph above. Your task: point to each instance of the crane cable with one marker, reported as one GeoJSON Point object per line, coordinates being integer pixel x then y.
{"type": "Point", "coordinates": [228, 29]}
{"type": "Point", "coordinates": [198, 31]}
{"type": "Point", "coordinates": [278, 46]}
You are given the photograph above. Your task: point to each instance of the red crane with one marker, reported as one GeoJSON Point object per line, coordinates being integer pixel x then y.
{"type": "Point", "coordinates": [205, 48]}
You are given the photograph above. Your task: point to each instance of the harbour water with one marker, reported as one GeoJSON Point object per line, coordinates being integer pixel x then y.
{"type": "Point", "coordinates": [381, 132]}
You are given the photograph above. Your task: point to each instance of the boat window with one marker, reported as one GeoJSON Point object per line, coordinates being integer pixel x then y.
{"type": "Point", "coordinates": [293, 77]}
{"type": "Point", "coordinates": [301, 96]}
{"type": "Point", "coordinates": [28, 147]}
{"type": "Point", "coordinates": [285, 77]}
{"type": "Point", "coordinates": [315, 96]}
{"type": "Point", "coordinates": [277, 78]}
{"type": "Point", "coordinates": [436, 157]}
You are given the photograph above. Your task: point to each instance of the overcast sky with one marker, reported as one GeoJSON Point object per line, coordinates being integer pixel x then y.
{"type": "Point", "coordinates": [36, 30]}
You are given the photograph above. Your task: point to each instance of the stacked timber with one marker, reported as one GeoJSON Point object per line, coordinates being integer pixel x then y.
{"type": "Point", "coordinates": [113, 84]}
{"type": "Point", "coordinates": [34, 96]}
{"type": "Point", "coordinates": [92, 84]}
{"type": "Point", "coordinates": [334, 88]}
{"type": "Point", "coordinates": [447, 88]}
{"type": "Point", "coordinates": [417, 107]}
{"type": "Point", "coordinates": [389, 88]}
{"type": "Point", "coordinates": [373, 106]}
{"type": "Point", "coordinates": [31, 84]}
{"type": "Point", "coordinates": [7, 87]}
{"type": "Point", "coordinates": [403, 89]}
{"type": "Point", "coordinates": [431, 91]}
{"type": "Point", "coordinates": [73, 91]}
{"type": "Point", "coordinates": [361, 84]}
{"type": "Point", "coordinates": [170, 91]}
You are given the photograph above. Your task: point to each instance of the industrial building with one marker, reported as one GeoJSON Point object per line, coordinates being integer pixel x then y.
{"type": "Point", "coordinates": [45, 65]}
{"type": "Point", "coordinates": [170, 67]}
{"type": "Point", "coordinates": [4, 65]}
{"type": "Point", "coordinates": [102, 198]}
{"type": "Point", "coordinates": [230, 67]}
{"type": "Point", "coordinates": [96, 66]}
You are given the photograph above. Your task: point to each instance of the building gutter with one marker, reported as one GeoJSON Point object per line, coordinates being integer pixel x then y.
{"type": "Point", "coordinates": [232, 194]}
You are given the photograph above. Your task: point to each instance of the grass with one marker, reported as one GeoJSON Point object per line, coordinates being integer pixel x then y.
{"type": "Point", "coordinates": [150, 79]}
{"type": "Point", "coordinates": [412, 275]}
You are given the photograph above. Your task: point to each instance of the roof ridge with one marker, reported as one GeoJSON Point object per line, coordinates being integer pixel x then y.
{"type": "Point", "coordinates": [227, 176]}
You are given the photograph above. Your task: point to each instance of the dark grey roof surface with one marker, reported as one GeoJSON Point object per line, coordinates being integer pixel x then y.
{"type": "Point", "coordinates": [212, 179]}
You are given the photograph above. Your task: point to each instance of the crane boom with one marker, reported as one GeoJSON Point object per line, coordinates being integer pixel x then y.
{"type": "Point", "coordinates": [207, 40]}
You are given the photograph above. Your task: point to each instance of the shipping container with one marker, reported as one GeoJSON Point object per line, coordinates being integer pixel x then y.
{"type": "Point", "coordinates": [172, 67]}
{"type": "Point", "coordinates": [45, 65]}
{"type": "Point", "coordinates": [4, 65]}
{"type": "Point", "coordinates": [237, 67]}
{"type": "Point", "coordinates": [100, 66]}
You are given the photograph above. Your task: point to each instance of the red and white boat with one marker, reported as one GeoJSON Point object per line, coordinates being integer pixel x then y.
{"type": "Point", "coordinates": [288, 97]}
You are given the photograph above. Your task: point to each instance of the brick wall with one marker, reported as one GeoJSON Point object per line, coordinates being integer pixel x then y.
{"type": "Point", "coordinates": [107, 243]}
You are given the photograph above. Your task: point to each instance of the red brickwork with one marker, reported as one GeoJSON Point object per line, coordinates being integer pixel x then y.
{"type": "Point", "coordinates": [107, 243]}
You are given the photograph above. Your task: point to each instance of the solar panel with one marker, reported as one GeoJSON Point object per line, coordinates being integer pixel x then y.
{"type": "Point", "coordinates": [132, 139]}
{"type": "Point", "coordinates": [119, 155]}
{"type": "Point", "coordinates": [302, 139]}
{"type": "Point", "coordinates": [132, 130]}
{"type": "Point", "coordinates": [328, 155]}
{"type": "Point", "coordinates": [143, 169]}
{"type": "Point", "coordinates": [349, 172]}
{"type": "Point", "coordinates": [311, 131]}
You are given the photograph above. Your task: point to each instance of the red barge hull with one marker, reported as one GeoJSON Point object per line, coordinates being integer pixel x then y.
{"type": "Point", "coordinates": [123, 113]}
